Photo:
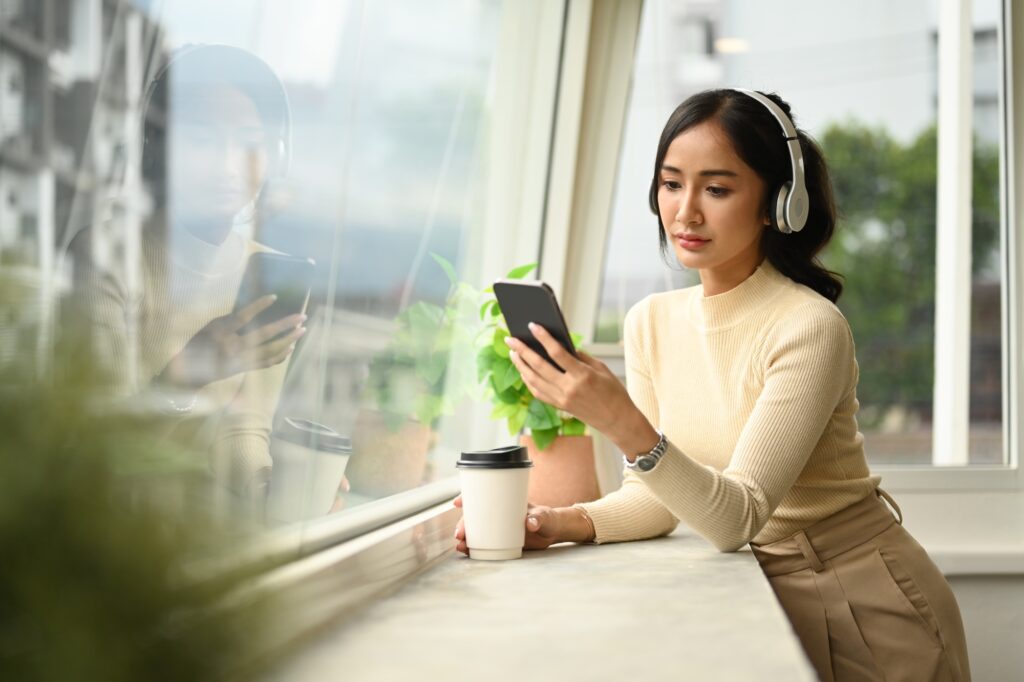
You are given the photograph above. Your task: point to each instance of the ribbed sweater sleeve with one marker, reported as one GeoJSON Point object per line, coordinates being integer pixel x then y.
{"type": "Point", "coordinates": [632, 512]}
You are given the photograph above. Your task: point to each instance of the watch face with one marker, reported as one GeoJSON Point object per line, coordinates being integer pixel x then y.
{"type": "Point", "coordinates": [645, 463]}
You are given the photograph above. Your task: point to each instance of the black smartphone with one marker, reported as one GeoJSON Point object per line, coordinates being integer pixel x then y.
{"type": "Point", "coordinates": [525, 302]}
{"type": "Point", "coordinates": [289, 277]}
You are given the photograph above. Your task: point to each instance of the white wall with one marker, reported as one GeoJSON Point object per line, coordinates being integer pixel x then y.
{"type": "Point", "coordinates": [993, 611]}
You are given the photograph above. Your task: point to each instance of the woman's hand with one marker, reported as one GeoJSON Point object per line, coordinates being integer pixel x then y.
{"type": "Point", "coordinates": [219, 350]}
{"type": "Point", "coordinates": [339, 498]}
{"type": "Point", "coordinates": [587, 389]}
{"type": "Point", "coordinates": [544, 527]}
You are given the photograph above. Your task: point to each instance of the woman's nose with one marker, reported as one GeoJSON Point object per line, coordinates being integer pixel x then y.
{"type": "Point", "coordinates": [688, 212]}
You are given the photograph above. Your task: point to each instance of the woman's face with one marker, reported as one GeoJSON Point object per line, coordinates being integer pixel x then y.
{"type": "Point", "coordinates": [218, 156]}
{"type": "Point", "coordinates": [712, 205]}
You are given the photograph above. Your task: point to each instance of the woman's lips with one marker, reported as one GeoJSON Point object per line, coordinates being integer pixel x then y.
{"type": "Point", "coordinates": [692, 243]}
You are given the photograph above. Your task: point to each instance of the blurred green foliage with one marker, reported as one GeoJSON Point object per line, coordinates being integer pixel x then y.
{"type": "Point", "coordinates": [885, 250]}
{"type": "Point", "coordinates": [422, 373]}
{"type": "Point", "coordinates": [98, 521]}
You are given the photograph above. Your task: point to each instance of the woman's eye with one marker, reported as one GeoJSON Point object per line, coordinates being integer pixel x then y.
{"type": "Point", "coordinates": [671, 184]}
{"type": "Point", "coordinates": [717, 191]}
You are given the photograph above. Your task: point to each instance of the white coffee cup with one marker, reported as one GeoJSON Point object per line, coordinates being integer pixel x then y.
{"type": "Point", "coordinates": [309, 463]}
{"type": "Point", "coordinates": [494, 486]}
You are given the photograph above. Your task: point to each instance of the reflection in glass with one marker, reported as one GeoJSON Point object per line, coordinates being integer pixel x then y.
{"type": "Point", "coordinates": [165, 167]}
{"type": "Point", "coordinates": [170, 330]}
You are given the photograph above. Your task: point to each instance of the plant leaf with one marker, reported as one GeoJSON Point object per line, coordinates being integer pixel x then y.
{"type": "Point", "coordinates": [542, 416]}
{"type": "Point", "coordinates": [485, 308]}
{"type": "Point", "coordinates": [498, 343]}
{"type": "Point", "coordinates": [573, 427]}
{"type": "Point", "coordinates": [517, 420]}
{"type": "Point", "coordinates": [507, 396]}
{"type": "Point", "coordinates": [543, 437]}
{"type": "Point", "coordinates": [505, 374]}
{"type": "Point", "coordinates": [485, 361]}
{"type": "Point", "coordinates": [447, 267]}
{"type": "Point", "coordinates": [521, 271]}
{"type": "Point", "coordinates": [504, 411]}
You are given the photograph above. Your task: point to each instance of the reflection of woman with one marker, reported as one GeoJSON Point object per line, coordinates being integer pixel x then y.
{"type": "Point", "coordinates": [174, 335]}
{"type": "Point", "coordinates": [752, 379]}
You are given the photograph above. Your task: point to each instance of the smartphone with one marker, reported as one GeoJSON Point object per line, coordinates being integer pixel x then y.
{"type": "Point", "coordinates": [289, 277]}
{"type": "Point", "coordinates": [524, 302]}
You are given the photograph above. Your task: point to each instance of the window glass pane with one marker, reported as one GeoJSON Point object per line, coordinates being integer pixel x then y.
{"type": "Point", "coordinates": [165, 167]}
{"type": "Point", "coordinates": [867, 91]}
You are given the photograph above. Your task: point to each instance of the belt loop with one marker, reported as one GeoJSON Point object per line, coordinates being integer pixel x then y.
{"type": "Point", "coordinates": [892, 503]}
{"type": "Point", "coordinates": [808, 552]}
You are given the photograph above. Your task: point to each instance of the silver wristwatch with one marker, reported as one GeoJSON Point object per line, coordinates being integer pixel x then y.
{"type": "Point", "coordinates": [648, 460]}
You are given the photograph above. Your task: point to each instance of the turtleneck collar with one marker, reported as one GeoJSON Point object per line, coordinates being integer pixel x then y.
{"type": "Point", "coordinates": [187, 251]}
{"type": "Point", "coordinates": [731, 307]}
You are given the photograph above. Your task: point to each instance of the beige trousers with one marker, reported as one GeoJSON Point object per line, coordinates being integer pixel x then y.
{"type": "Point", "coordinates": [865, 599]}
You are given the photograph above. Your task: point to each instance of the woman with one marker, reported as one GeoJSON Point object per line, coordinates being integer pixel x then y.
{"type": "Point", "coordinates": [165, 332]}
{"type": "Point", "coordinates": [739, 418]}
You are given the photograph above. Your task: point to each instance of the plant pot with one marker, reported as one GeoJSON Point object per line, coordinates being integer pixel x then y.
{"type": "Point", "coordinates": [385, 462]}
{"type": "Point", "coordinates": [563, 472]}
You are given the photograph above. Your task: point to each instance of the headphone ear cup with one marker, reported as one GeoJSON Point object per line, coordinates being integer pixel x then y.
{"type": "Point", "coordinates": [778, 208]}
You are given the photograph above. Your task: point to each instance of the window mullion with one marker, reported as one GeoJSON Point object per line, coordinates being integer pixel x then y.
{"type": "Point", "coordinates": [951, 402]}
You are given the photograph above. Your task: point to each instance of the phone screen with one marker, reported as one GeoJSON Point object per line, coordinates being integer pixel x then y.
{"type": "Point", "coordinates": [289, 277]}
{"type": "Point", "coordinates": [525, 302]}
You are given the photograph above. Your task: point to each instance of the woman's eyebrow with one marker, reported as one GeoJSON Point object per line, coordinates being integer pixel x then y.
{"type": "Point", "coordinates": [703, 173]}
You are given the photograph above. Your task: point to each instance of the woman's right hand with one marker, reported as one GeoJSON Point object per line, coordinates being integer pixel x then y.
{"type": "Point", "coordinates": [220, 350]}
{"type": "Point", "coordinates": [544, 527]}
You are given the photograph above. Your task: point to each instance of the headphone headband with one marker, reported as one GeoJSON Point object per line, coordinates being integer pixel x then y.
{"type": "Point", "coordinates": [791, 203]}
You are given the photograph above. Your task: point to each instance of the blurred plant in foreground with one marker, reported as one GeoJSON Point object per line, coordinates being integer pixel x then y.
{"type": "Point", "coordinates": [97, 527]}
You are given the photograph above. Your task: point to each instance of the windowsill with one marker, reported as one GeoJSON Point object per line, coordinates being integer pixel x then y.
{"type": "Point", "coordinates": [978, 561]}
{"type": "Point", "coordinates": [662, 609]}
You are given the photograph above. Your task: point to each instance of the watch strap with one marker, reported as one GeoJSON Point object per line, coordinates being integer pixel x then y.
{"type": "Point", "coordinates": [648, 460]}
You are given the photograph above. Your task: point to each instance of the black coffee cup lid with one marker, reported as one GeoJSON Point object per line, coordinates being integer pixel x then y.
{"type": "Point", "coordinates": [509, 457]}
{"type": "Point", "coordinates": [310, 434]}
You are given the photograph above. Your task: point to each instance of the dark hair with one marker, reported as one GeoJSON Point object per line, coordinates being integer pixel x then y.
{"type": "Point", "coordinates": [758, 140]}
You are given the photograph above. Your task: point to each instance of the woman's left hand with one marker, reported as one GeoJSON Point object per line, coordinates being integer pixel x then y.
{"type": "Point", "coordinates": [587, 389]}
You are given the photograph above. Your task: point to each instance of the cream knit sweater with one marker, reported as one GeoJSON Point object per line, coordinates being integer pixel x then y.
{"type": "Point", "coordinates": [756, 391]}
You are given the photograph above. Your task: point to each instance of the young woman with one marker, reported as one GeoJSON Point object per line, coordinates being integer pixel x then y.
{"type": "Point", "coordinates": [740, 414]}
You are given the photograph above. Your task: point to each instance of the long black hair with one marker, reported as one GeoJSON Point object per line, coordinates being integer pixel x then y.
{"type": "Point", "coordinates": [758, 140]}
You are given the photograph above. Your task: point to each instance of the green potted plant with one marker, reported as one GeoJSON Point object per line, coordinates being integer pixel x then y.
{"type": "Point", "coordinates": [412, 383]}
{"type": "Point", "coordinates": [562, 451]}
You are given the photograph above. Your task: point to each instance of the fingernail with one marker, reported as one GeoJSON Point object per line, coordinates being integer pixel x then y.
{"type": "Point", "coordinates": [303, 318]}
{"type": "Point", "coordinates": [273, 297]}
{"type": "Point", "coordinates": [508, 340]}
{"type": "Point", "coordinates": [532, 325]}
{"type": "Point", "coordinates": [302, 330]}
{"type": "Point", "coordinates": [533, 521]}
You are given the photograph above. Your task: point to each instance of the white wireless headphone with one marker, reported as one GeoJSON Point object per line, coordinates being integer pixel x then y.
{"type": "Point", "coordinates": [790, 203]}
